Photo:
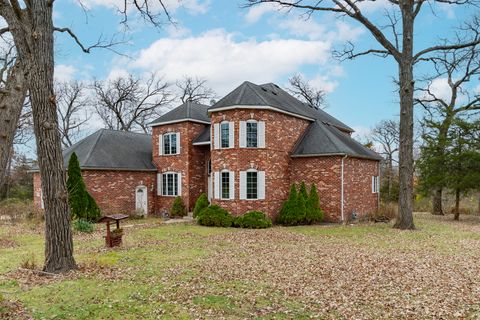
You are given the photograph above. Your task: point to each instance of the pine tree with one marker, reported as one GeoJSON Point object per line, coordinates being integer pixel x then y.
{"type": "Point", "coordinates": [287, 213]}
{"type": "Point", "coordinates": [93, 211]}
{"type": "Point", "coordinates": [314, 213]}
{"type": "Point", "coordinates": [303, 190]}
{"type": "Point", "coordinates": [77, 191]}
{"type": "Point", "coordinates": [202, 203]}
{"type": "Point", "coordinates": [301, 207]}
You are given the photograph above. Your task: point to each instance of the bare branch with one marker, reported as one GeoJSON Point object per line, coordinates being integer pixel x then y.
{"type": "Point", "coordinates": [195, 90]}
{"type": "Point", "coordinates": [303, 90]}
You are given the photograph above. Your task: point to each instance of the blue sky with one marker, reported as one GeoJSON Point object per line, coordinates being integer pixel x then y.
{"type": "Point", "coordinates": [226, 44]}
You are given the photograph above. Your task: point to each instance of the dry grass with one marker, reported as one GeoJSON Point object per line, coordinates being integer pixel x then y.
{"type": "Point", "coordinates": [364, 271]}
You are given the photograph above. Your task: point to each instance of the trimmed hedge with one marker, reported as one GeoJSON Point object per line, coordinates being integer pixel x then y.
{"type": "Point", "coordinates": [301, 208]}
{"type": "Point", "coordinates": [215, 216]}
{"type": "Point", "coordinates": [200, 204]}
{"type": "Point", "coordinates": [252, 220]}
{"type": "Point", "coordinates": [178, 208]}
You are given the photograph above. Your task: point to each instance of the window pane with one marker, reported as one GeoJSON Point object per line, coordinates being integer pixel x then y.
{"type": "Point", "coordinates": [173, 143]}
{"type": "Point", "coordinates": [225, 185]}
{"type": "Point", "coordinates": [225, 135]}
{"type": "Point", "coordinates": [252, 192]}
{"type": "Point", "coordinates": [175, 184]}
{"type": "Point", "coordinates": [166, 144]}
{"type": "Point", "coordinates": [252, 135]}
{"type": "Point", "coordinates": [170, 184]}
{"type": "Point", "coordinates": [164, 184]}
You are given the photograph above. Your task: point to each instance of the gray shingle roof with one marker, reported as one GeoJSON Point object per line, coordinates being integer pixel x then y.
{"type": "Point", "coordinates": [204, 137]}
{"type": "Point", "coordinates": [322, 139]}
{"type": "Point", "coordinates": [270, 94]}
{"type": "Point", "coordinates": [188, 110]}
{"type": "Point", "coordinates": [110, 149]}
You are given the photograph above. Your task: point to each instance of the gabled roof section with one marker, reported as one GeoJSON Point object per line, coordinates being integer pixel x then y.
{"type": "Point", "coordinates": [271, 95]}
{"type": "Point", "coordinates": [203, 138]}
{"type": "Point", "coordinates": [323, 140]}
{"type": "Point", "coordinates": [188, 111]}
{"type": "Point", "coordinates": [114, 150]}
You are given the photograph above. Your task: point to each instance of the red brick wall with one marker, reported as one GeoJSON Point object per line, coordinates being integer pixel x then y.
{"type": "Point", "coordinates": [325, 173]}
{"type": "Point", "coordinates": [358, 186]}
{"type": "Point", "coordinates": [114, 191]}
{"type": "Point", "coordinates": [190, 162]}
{"type": "Point", "coordinates": [281, 134]}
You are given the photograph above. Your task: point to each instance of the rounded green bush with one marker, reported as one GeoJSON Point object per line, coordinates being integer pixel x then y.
{"type": "Point", "coordinates": [82, 225]}
{"type": "Point", "coordinates": [202, 203]}
{"type": "Point", "coordinates": [253, 220]}
{"type": "Point", "coordinates": [215, 216]}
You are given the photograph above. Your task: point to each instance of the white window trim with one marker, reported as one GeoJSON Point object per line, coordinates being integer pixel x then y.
{"type": "Point", "coordinates": [261, 185]}
{"type": "Point", "coordinates": [162, 148]}
{"type": "Point", "coordinates": [179, 182]}
{"type": "Point", "coordinates": [375, 186]}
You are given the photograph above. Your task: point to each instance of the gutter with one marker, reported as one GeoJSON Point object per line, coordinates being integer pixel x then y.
{"type": "Point", "coordinates": [342, 189]}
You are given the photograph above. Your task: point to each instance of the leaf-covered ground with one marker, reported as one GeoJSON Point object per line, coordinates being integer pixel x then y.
{"type": "Point", "coordinates": [366, 271]}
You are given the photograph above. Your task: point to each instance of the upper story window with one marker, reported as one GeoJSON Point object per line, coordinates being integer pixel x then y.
{"type": "Point", "coordinates": [169, 143]}
{"type": "Point", "coordinates": [252, 134]}
{"type": "Point", "coordinates": [225, 135]}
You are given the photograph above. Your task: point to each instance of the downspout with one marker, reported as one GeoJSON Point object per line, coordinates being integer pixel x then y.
{"type": "Point", "coordinates": [342, 189]}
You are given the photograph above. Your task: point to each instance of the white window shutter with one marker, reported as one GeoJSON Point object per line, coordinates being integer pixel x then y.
{"type": "Point", "coordinates": [179, 184]}
{"type": "Point", "coordinates": [261, 185]}
{"type": "Point", "coordinates": [160, 144]}
{"type": "Point", "coordinates": [178, 143]}
{"type": "Point", "coordinates": [243, 185]}
{"type": "Point", "coordinates": [261, 134]}
{"type": "Point", "coordinates": [216, 185]}
{"type": "Point", "coordinates": [232, 185]}
{"type": "Point", "coordinates": [231, 134]}
{"type": "Point", "coordinates": [159, 184]}
{"type": "Point", "coordinates": [216, 136]}
{"type": "Point", "coordinates": [243, 134]}
{"type": "Point", "coordinates": [373, 184]}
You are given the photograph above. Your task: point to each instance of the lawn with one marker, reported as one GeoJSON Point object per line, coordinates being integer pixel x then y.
{"type": "Point", "coordinates": [363, 271]}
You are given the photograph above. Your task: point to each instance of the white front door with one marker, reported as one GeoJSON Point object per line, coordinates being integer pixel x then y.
{"type": "Point", "coordinates": [141, 203]}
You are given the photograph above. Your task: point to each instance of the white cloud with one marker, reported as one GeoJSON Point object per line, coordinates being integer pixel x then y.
{"type": "Point", "coordinates": [226, 62]}
{"type": "Point", "coordinates": [192, 6]}
{"type": "Point", "coordinates": [255, 13]}
{"type": "Point", "coordinates": [440, 89]}
{"type": "Point", "coordinates": [64, 73]}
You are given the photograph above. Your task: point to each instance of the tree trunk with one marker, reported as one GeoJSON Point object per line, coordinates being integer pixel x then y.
{"type": "Point", "coordinates": [32, 31]}
{"type": "Point", "coordinates": [11, 103]}
{"type": "Point", "coordinates": [437, 207]}
{"type": "Point", "coordinates": [456, 215]}
{"type": "Point", "coordinates": [405, 200]}
{"type": "Point", "coordinates": [390, 177]}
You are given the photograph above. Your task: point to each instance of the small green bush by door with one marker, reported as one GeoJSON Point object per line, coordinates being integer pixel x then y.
{"type": "Point", "coordinates": [252, 220]}
{"type": "Point", "coordinates": [214, 216]}
{"type": "Point", "coordinates": [301, 208]}
{"type": "Point", "coordinates": [202, 203]}
{"type": "Point", "coordinates": [82, 205]}
{"type": "Point", "coordinates": [178, 208]}
{"type": "Point", "coordinates": [83, 226]}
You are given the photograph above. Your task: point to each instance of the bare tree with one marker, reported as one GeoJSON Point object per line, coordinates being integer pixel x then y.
{"type": "Point", "coordinates": [72, 102]}
{"type": "Point", "coordinates": [130, 103]}
{"type": "Point", "coordinates": [13, 89]}
{"type": "Point", "coordinates": [195, 90]}
{"type": "Point", "coordinates": [396, 40]}
{"type": "Point", "coordinates": [303, 90]}
{"type": "Point", "coordinates": [31, 26]}
{"type": "Point", "coordinates": [386, 133]}
{"type": "Point", "coordinates": [458, 68]}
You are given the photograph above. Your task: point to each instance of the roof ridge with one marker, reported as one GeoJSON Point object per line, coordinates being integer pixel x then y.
{"type": "Point", "coordinates": [259, 95]}
{"type": "Point", "coordinates": [94, 145]}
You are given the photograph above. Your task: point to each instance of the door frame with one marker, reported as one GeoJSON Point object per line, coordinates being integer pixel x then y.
{"type": "Point", "coordinates": [145, 201]}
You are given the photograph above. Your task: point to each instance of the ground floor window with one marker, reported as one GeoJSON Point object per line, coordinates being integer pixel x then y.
{"type": "Point", "coordinates": [252, 185]}
{"type": "Point", "coordinates": [225, 185]}
{"type": "Point", "coordinates": [375, 184]}
{"type": "Point", "coordinates": [170, 184]}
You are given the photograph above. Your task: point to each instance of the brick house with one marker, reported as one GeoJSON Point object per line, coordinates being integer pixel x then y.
{"type": "Point", "coordinates": [245, 151]}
